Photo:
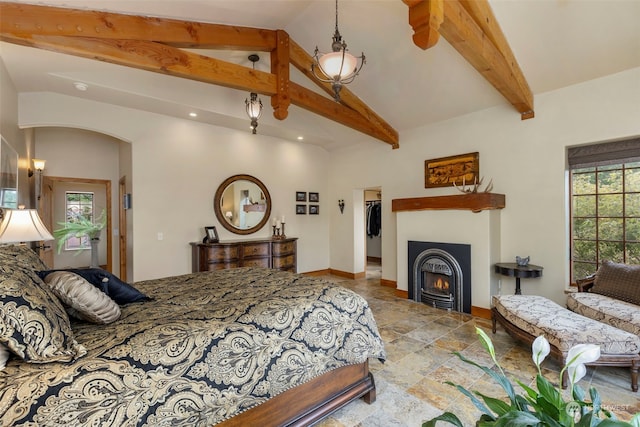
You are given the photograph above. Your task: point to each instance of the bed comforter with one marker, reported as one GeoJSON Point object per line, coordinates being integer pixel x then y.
{"type": "Point", "coordinates": [207, 347]}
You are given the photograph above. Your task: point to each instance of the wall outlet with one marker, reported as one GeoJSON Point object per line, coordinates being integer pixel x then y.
{"type": "Point", "coordinates": [160, 235]}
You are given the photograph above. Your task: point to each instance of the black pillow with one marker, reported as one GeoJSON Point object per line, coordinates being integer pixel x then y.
{"type": "Point", "coordinates": [119, 291]}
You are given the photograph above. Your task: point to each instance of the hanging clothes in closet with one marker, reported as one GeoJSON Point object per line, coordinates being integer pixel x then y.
{"type": "Point", "coordinates": [374, 218]}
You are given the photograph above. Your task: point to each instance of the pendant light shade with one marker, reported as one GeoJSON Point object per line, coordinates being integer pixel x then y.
{"type": "Point", "coordinates": [253, 104]}
{"type": "Point", "coordinates": [338, 67]}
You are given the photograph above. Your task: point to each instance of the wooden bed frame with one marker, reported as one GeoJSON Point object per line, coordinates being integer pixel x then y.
{"type": "Point", "coordinates": [311, 401]}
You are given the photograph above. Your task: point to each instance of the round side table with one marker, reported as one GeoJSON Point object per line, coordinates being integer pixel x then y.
{"type": "Point", "coordinates": [512, 269]}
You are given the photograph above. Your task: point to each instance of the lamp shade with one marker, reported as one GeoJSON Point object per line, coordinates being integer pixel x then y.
{"type": "Point", "coordinates": [23, 225]}
{"type": "Point", "coordinates": [38, 164]}
{"type": "Point", "coordinates": [338, 65]}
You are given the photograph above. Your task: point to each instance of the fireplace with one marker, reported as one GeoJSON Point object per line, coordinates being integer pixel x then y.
{"type": "Point", "coordinates": [440, 275]}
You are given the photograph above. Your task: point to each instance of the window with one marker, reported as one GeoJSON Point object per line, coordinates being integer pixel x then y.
{"type": "Point", "coordinates": [79, 206]}
{"type": "Point", "coordinates": [605, 205]}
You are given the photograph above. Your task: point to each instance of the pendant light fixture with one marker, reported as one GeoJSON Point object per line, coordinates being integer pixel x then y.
{"type": "Point", "coordinates": [338, 67]}
{"type": "Point", "coordinates": [253, 104]}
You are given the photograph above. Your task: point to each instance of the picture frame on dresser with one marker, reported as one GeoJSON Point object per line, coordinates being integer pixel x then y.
{"type": "Point", "coordinates": [211, 235]}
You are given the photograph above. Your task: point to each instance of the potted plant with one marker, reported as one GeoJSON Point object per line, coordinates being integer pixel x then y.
{"type": "Point", "coordinates": [80, 227]}
{"type": "Point", "coordinates": [544, 406]}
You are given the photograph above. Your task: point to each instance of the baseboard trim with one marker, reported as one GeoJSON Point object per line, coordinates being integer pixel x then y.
{"type": "Point", "coordinates": [347, 275]}
{"type": "Point", "coordinates": [324, 272]}
{"type": "Point", "coordinates": [389, 283]}
{"type": "Point", "coordinates": [402, 294]}
{"type": "Point", "coordinates": [484, 313]}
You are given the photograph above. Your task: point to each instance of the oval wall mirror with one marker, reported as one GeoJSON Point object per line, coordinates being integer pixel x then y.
{"type": "Point", "coordinates": [242, 204]}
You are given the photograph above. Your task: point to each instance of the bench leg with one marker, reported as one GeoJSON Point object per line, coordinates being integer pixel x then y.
{"type": "Point", "coordinates": [493, 323]}
{"type": "Point", "coordinates": [634, 375]}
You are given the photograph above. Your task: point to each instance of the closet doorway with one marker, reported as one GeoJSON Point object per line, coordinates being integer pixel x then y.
{"type": "Point", "coordinates": [373, 232]}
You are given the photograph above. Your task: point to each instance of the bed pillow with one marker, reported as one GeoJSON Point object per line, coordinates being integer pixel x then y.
{"type": "Point", "coordinates": [84, 300]}
{"type": "Point", "coordinates": [33, 323]}
{"type": "Point", "coordinates": [619, 281]}
{"type": "Point", "coordinates": [119, 291]}
{"type": "Point", "coordinates": [22, 256]}
{"type": "Point", "coordinates": [4, 356]}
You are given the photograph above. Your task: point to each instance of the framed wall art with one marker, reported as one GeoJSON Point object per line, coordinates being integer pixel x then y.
{"type": "Point", "coordinates": [8, 175]}
{"type": "Point", "coordinates": [301, 196]}
{"type": "Point", "coordinates": [314, 209]}
{"type": "Point", "coordinates": [314, 197]}
{"type": "Point", "coordinates": [301, 209]}
{"type": "Point", "coordinates": [445, 171]}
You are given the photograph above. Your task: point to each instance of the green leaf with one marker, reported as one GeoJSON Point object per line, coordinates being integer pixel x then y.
{"type": "Point", "coordinates": [517, 419]}
{"type": "Point", "coordinates": [447, 417]}
{"type": "Point", "coordinates": [496, 376]}
{"type": "Point", "coordinates": [499, 407]}
{"type": "Point", "coordinates": [476, 402]}
{"type": "Point", "coordinates": [548, 391]}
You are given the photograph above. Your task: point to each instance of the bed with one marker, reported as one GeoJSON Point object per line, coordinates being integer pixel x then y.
{"type": "Point", "coordinates": [232, 347]}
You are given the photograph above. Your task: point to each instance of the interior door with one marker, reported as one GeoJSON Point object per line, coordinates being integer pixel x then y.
{"type": "Point", "coordinates": [122, 227]}
{"type": "Point", "coordinates": [45, 210]}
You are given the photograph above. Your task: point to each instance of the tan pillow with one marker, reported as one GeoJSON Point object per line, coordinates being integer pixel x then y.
{"type": "Point", "coordinates": [85, 300]}
{"type": "Point", "coordinates": [619, 281]}
{"type": "Point", "coordinates": [4, 356]}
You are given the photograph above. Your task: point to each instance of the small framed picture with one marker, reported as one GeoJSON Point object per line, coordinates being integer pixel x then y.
{"type": "Point", "coordinates": [301, 209]}
{"type": "Point", "coordinates": [314, 209]}
{"type": "Point", "coordinates": [211, 235]}
{"type": "Point", "coordinates": [314, 197]}
{"type": "Point", "coordinates": [301, 196]}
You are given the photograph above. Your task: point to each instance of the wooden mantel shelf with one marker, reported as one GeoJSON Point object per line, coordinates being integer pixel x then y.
{"type": "Point", "coordinates": [474, 202]}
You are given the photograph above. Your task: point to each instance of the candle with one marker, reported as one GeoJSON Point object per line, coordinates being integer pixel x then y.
{"type": "Point", "coordinates": [273, 222]}
{"type": "Point", "coordinates": [282, 220]}
{"type": "Point", "coordinates": [277, 223]}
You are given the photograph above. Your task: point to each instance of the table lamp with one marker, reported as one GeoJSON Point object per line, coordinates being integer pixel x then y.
{"type": "Point", "coordinates": [23, 225]}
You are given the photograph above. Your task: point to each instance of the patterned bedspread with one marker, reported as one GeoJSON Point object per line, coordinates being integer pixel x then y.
{"type": "Point", "coordinates": [209, 346]}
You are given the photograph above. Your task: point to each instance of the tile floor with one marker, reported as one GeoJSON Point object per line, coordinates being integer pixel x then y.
{"type": "Point", "coordinates": [419, 341]}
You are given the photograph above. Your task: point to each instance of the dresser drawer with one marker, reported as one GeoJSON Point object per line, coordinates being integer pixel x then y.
{"type": "Point", "coordinates": [255, 249]}
{"type": "Point", "coordinates": [219, 266]}
{"type": "Point", "coordinates": [284, 261]}
{"type": "Point", "coordinates": [219, 253]}
{"type": "Point", "coordinates": [283, 248]}
{"type": "Point", "coordinates": [256, 262]}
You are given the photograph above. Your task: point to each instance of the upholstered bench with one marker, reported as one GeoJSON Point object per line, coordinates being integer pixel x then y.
{"type": "Point", "coordinates": [526, 317]}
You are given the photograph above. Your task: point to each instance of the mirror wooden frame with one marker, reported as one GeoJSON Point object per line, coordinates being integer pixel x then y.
{"type": "Point", "coordinates": [217, 207]}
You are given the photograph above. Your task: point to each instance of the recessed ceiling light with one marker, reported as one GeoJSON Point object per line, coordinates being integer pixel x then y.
{"type": "Point", "coordinates": [193, 114]}
{"type": "Point", "coordinates": [81, 86]}
{"type": "Point", "coordinates": [300, 138]}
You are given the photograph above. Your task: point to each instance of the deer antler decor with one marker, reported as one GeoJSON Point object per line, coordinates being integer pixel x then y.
{"type": "Point", "coordinates": [475, 187]}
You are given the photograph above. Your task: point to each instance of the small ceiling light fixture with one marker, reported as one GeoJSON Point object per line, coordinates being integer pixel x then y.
{"type": "Point", "coordinates": [338, 67]}
{"type": "Point", "coordinates": [193, 114]}
{"type": "Point", "coordinates": [81, 86]}
{"type": "Point", "coordinates": [253, 104]}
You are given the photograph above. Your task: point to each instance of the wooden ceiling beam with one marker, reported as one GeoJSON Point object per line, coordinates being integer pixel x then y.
{"type": "Point", "coordinates": [471, 28]}
{"type": "Point", "coordinates": [22, 19]}
{"type": "Point", "coordinates": [318, 104]}
{"type": "Point", "coordinates": [157, 57]}
{"type": "Point", "coordinates": [153, 44]}
{"type": "Point", "coordinates": [280, 68]}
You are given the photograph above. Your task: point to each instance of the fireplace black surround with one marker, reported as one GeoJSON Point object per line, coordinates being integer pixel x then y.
{"type": "Point", "coordinates": [440, 274]}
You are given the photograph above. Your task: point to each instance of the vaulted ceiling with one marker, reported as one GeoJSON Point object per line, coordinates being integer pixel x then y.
{"type": "Point", "coordinates": [401, 86]}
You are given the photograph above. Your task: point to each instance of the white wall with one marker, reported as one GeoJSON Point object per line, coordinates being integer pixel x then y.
{"type": "Point", "coordinates": [177, 166]}
{"type": "Point", "coordinates": [526, 160]}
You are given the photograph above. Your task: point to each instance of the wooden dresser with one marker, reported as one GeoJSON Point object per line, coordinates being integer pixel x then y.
{"type": "Point", "coordinates": [278, 254]}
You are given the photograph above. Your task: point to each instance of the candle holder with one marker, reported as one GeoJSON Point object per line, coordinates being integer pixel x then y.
{"type": "Point", "coordinates": [278, 233]}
